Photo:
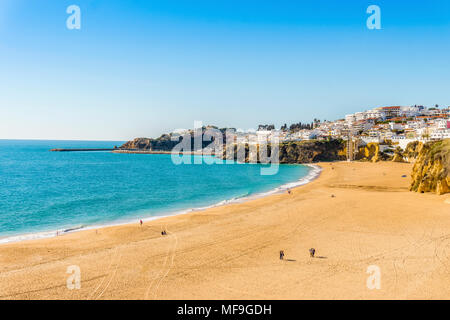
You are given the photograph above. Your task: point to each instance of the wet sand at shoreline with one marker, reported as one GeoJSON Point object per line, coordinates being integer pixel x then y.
{"type": "Point", "coordinates": [355, 215]}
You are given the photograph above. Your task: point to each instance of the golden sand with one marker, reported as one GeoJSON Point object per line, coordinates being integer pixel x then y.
{"type": "Point", "coordinates": [232, 252]}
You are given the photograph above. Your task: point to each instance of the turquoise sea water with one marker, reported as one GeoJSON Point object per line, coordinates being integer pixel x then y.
{"type": "Point", "coordinates": [44, 191]}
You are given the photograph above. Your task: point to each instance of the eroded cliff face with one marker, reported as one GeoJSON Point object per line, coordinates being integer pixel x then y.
{"type": "Point", "coordinates": [431, 171]}
{"type": "Point", "coordinates": [369, 152]}
{"type": "Point", "coordinates": [412, 150]}
{"type": "Point", "coordinates": [372, 152]}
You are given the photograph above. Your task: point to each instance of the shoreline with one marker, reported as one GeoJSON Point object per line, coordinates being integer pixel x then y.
{"type": "Point", "coordinates": [313, 174]}
{"type": "Point", "coordinates": [356, 215]}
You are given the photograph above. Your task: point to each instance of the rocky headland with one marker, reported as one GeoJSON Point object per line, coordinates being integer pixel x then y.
{"type": "Point", "coordinates": [431, 160]}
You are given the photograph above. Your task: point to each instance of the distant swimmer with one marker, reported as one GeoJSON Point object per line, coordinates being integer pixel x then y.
{"type": "Point", "coordinates": [312, 252]}
{"type": "Point", "coordinates": [281, 254]}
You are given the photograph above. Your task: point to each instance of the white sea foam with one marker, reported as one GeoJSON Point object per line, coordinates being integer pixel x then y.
{"type": "Point", "coordinates": [313, 173]}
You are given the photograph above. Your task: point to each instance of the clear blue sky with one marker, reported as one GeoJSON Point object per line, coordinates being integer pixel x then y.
{"type": "Point", "coordinates": [140, 68]}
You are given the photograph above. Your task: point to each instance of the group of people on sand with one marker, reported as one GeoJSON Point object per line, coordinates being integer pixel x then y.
{"type": "Point", "coordinates": [163, 233]}
{"type": "Point", "coordinates": [312, 252]}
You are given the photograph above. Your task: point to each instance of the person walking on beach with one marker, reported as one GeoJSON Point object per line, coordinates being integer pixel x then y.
{"type": "Point", "coordinates": [281, 254]}
{"type": "Point", "coordinates": [140, 221]}
{"type": "Point", "coordinates": [312, 252]}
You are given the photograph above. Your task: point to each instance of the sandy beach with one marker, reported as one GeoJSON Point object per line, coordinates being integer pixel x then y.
{"type": "Point", "coordinates": [355, 215]}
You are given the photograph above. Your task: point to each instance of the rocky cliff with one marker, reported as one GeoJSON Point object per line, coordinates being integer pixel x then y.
{"type": "Point", "coordinates": [412, 150]}
{"type": "Point", "coordinates": [163, 143]}
{"type": "Point", "coordinates": [369, 152]}
{"type": "Point", "coordinates": [431, 171]}
{"type": "Point", "coordinates": [297, 152]}
{"type": "Point", "coordinates": [167, 142]}
{"type": "Point", "coordinates": [312, 151]}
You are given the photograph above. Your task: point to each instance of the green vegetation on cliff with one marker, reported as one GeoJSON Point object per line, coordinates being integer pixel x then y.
{"type": "Point", "coordinates": [167, 142]}
{"type": "Point", "coordinates": [312, 151]}
{"type": "Point", "coordinates": [295, 151]}
{"type": "Point", "coordinates": [163, 143]}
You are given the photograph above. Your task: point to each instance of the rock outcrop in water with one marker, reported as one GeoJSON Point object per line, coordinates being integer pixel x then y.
{"type": "Point", "coordinates": [431, 171]}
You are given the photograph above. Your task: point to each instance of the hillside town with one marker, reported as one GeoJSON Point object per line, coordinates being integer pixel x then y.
{"type": "Point", "coordinates": [390, 128]}
{"type": "Point", "coordinates": [396, 124]}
